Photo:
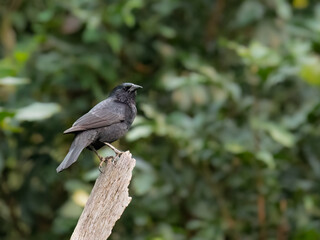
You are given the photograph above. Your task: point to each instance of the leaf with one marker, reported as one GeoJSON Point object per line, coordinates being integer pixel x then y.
{"type": "Point", "coordinates": [127, 11]}
{"type": "Point", "coordinates": [202, 210]}
{"type": "Point", "coordinates": [174, 82]}
{"type": "Point", "coordinates": [276, 131]}
{"type": "Point", "coordinates": [281, 135]}
{"type": "Point", "coordinates": [91, 175]}
{"type": "Point", "coordinates": [256, 54]}
{"type": "Point", "coordinates": [283, 9]}
{"type": "Point", "coordinates": [138, 132]}
{"type": "Point", "coordinates": [37, 111]}
{"type": "Point", "coordinates": [46, 15]}
{"type": "Point", "coordinates": [300, 4]}
{"type": "Point", "coordinates": [115, 41]}
{"type": "Point", "coordinates": [249, 11]}
{"type": "Point", "coordinates": [10, 81]}
{"type": "Point", "coordinates": [4, 114]}
{"type": "Point", "coordinates": [143, 182]}
{"type": "Point", "coordinates": [280, 75]}
{"type": "Point", "coordinates": [235, 148]}
{"type": "Point", "coordinates": [267, 158]}
{"type": "Point", "coordinates": [70, 210]}
{"type": "Point", "coordinates": [80, 197]}
{"type": "Point", "coordinates": [310, 71]}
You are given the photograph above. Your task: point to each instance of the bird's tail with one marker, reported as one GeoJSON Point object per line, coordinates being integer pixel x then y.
{"type": "Point", "coordinates": [76, 148]}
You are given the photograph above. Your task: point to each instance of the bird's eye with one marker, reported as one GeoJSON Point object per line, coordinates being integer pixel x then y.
{"type": "Point", "coordinates": [127, 88]}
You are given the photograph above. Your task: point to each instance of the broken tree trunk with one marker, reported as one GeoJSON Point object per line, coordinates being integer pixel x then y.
{"type": "Point", "coordinates": [107, 201]}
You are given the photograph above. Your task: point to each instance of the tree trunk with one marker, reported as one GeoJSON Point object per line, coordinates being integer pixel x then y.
{"type": "Point", "coordinates": [107, 201]}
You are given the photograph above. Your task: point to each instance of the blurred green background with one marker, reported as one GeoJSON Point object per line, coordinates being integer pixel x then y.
{"type": "Point", "coordinates": [227, 134]}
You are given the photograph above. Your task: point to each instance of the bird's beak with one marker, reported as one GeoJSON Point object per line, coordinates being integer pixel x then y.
{"type": "Point", "coordinates": [134, 87]}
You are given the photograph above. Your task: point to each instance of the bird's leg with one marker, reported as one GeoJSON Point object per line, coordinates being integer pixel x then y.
{"type": "Point", "coordinates": [95, 151]}
{"type": "Point", "coordinates": [102, 159]}
{"type": "Point", "coordinates": [116, 151]}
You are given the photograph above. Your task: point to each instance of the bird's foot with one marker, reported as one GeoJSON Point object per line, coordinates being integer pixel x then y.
{"type": "Point", "coordinates": [116, 151]}
{"type": "Point", "coordinates": [118, 155]}
{"type": "Point", "coordinates": [103, 160]}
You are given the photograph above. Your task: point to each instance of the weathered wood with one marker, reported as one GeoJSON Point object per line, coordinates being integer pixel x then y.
{"type": "Point", "coordinates": [107, 201]}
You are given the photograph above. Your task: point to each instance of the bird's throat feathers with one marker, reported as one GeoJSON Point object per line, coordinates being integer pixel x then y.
{"type": "Point", "coordinates": [128, 97]}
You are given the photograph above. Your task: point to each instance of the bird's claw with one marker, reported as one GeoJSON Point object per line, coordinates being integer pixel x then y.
{"type": "Point", "coordinates": [100, 165]}
{"type": "Point", "coordinates": [103, 160]}
{"type": "Point", "coordinates": [109, 159]}
{"type": "Point", "coordinates": [118, 155]}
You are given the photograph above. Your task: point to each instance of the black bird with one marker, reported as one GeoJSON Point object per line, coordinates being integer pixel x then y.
{"type": "Point", "coordinates": [105, 123]}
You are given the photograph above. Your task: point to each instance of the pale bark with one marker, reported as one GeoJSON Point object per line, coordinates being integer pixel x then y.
{"type": "Point", "coordinates": [107, 201]}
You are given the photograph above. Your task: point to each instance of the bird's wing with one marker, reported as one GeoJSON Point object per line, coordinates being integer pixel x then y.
{"type": "Point", "coordinates": [104, 114]}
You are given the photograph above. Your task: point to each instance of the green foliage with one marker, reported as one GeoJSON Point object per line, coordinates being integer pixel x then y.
{"type": "Point", "coordinates": [227, 136]}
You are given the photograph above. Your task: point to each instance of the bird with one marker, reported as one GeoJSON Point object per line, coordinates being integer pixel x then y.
{"type": "Point", "coordinates": [105, 123]}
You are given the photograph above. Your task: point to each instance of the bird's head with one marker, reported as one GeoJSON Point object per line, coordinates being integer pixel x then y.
{"type": "Point", "coordinates": [125, 91]}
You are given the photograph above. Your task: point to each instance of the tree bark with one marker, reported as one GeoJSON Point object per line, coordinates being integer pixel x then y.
{"type": "Point", "coordinates": [107, 201]}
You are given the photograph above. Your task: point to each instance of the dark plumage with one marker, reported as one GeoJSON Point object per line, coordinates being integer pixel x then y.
{"type": "Point", "coordinates": [106, 122]}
